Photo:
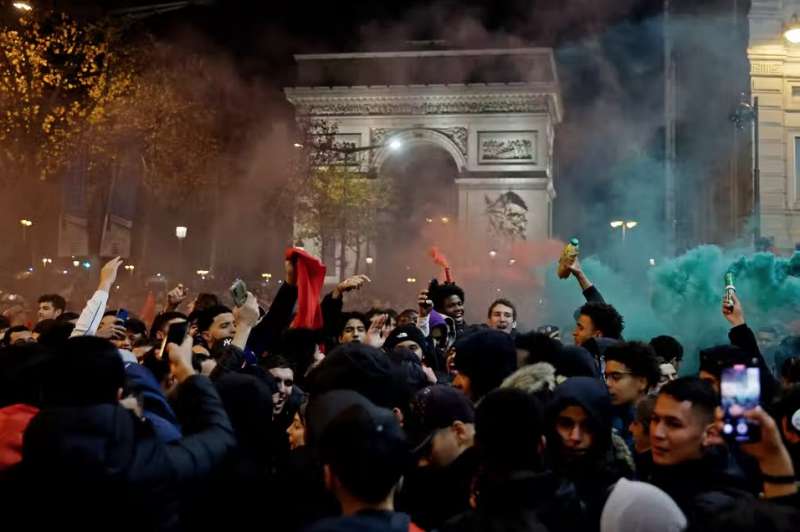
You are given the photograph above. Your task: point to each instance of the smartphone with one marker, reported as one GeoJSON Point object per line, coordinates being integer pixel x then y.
{"type": "Point", "coordinates": [239, 292]}
{"type": "Point", "coordinates": [122, 316]}
{"type": "Point", "coordinates": [740, 390]}
{"type": "Point", "coordinates": [175, 335]}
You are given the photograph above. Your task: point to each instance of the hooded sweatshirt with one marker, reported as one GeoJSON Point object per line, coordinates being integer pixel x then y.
{"type": "Point", "coordinates": [641, 507]}
{"type": "Point", "coordinates": [596, 471]}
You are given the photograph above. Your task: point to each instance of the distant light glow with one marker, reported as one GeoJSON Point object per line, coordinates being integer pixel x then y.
{"type": "Point", "coordinates": [369, 260]}
{"type": "Point", "coordinates": [792, 34]}
{"type": "Point", "coordinates": [395, 144]}
{"type": "Point", "coordinates": [411, 280]}
{"type": "Point", "coordinates": [298, 145]}
{"type": "Point", "coordinates": [631, 224]}
{"type": "Point", "coordinates": [512, 262]}
{"type": "Point", "coordinates": [445, 219]}
{"type": "Point", "coordinates": [26, 223]}
{"type": "Point", "coordinates": [87, 264]}
{"type": "Point", "coordinates": [652, 262]}
{"type": "Point", "coordinates": [181, 231]}
{"type": "Point", "coordinates": [617, 223]}
{"type": "Point", "coordinates": [492, 253]}
{"type": "Point", "coordinates": [23, 6]}
{"type": "Point", "coordinates": [76, 263]}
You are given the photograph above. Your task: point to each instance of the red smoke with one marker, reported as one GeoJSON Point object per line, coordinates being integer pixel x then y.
{"type": "Point", "coordinates": [441, 260]}
{"type": "Point", "coordinates": [438, 257]}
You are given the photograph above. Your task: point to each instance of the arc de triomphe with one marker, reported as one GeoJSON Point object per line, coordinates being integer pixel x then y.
{"type": "Point", "coordinates": [493, 111]}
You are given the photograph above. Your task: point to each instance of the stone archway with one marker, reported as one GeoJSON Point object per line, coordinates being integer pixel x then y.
{"type": "Point", "coordinates": [493, 111]}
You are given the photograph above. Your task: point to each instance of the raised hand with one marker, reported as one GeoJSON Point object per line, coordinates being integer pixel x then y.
{"type": "Point", "coordinates": [375, 336]}
{"type": "Point", "coordinates": [425, 303]}
{"type": "Point", "coordinates": [248, 313]}
{"type": "Point", "coordinates": [108, 274]}
{"type": "Point", "coordinates": [180, 359]}
{"type": "Point", "coordinates": [176, 296]}
{"type": "Point", "coordinates": [351, 283]}
{"type": "Point", "coordinates": [734, 314]}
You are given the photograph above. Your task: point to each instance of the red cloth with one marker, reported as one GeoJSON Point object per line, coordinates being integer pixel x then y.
{"type": "Point", "coordinates": [310, 274]}
{"type": "Point", "coordinates": [14, 420]}
{"type": "Point", "coordinates": [148, 313]}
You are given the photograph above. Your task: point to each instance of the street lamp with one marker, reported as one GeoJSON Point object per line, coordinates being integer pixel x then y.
{"type": "Point", "coordinates": [23, 6]}
{"type": "Point", "coordinates": [46, 261]}
{"type": "Point", "coordinates": [130, 268]}
{"type": "Point", "coordinates": [492, 254]}
{"type": "Point", "coordinates": [266, 277]}
{"type": "Point", "coordinates": [625, 225]}
{"type": "Point", "coordinates": [411, 280]}
{"type": "Point", "coordinates": [180, 232]}
{"type": "Point", "coordinates": [76, 263]}
{"type": "Point", "coordinates": [791, 32]}
{"type": "Point", "coordinates": [395, 144]}
{"type": "Point", "coordinates": [369, 260]}
{"type": "Point", "coordinates": [445, 219]}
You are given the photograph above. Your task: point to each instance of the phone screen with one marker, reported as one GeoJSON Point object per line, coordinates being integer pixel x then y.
{"type": "Point", "coordinates": [740, 390]}
{"type": "Point", "coordinates": [239, 292]}
{"type": "Point", "coordinates": [122, 315]}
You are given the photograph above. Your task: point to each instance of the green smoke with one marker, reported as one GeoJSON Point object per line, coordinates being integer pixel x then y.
{"type": "Point", "coordinates": [682, 297]}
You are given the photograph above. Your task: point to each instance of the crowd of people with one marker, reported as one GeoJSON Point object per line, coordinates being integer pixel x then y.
{"type": "Point", "coordinates": [311, 415]}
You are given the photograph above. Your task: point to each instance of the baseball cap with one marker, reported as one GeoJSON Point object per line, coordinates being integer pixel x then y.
{"type": "Point", "coordinates": [434, 408]}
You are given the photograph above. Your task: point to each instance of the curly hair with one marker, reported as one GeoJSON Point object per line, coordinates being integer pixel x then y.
{"type": "Point", "coordinates": [605, 318]}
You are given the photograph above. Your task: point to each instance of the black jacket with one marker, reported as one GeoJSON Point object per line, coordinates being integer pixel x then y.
{"type": "Point", "coordinates": [595, 472]}
{"type": "Point", "coordinates": [266, 334]}
{"type": "Point", "coordinates": [524, 501]}
{"type": "Point", "coordinates": [432, 495]}
{"type": "Point", "coordinates": [703, 487]}
{"type": "Point", "coordinates": [742, 336]}
{"type": "Point", "coordinates": [102, 468]}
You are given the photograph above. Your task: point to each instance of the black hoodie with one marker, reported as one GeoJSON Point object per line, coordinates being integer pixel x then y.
{"type": "Point", "coordinates": [595, 472]}
{"type": "Point", "coordinates": [100, 467]}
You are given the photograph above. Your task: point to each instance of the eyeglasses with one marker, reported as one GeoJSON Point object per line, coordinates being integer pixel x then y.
{"type": "Point", "coordinates": [616, 376]}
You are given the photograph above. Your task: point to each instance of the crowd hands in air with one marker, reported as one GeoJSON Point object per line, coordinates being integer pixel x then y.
{"type": "Point", "coordinates": [304, 416]}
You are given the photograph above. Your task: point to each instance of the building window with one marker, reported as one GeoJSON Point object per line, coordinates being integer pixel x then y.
{"type": "Point", "coordinates": [795, 91]}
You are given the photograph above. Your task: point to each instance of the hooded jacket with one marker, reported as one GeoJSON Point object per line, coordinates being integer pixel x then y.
{"type": "Point", "coordinates": [596, 471]}
{"type": "Point", "coordinates": [93, 464]}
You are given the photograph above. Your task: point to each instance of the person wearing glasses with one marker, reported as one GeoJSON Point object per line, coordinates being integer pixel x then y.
{"type": "Point", "coordinates": [631, 371]}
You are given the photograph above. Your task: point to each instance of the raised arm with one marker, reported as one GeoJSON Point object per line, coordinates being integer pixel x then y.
{"type": "Point", "coordinates": [590, 291]}
{"type": "Point", "coordinates": [92, 313]}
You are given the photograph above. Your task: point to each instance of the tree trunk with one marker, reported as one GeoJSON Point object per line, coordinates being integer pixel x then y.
{"type": "Point", "coordinates": [343, 256]}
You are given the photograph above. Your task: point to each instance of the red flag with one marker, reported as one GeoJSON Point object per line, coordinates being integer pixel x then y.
{"type": "Point", "coordinates": [310, 273]}
{"type": "Point", "coordinates": [148, 312]}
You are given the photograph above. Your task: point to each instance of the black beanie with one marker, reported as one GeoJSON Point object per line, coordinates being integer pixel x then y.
{"type": "Point", "coordinates": [487, 357]}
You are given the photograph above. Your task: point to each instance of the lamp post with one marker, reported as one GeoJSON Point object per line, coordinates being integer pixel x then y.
{"type": "Point", "coordinates": [180, 232]}
{"type": "Point", "coordinates": [625, 225]}
{"type": "Point", "coordinates": [746, 113]}
{"type": "Point", "coordinates": [130, 268]}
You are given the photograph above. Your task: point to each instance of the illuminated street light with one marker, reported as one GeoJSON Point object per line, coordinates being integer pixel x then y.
{"type": "Point", "coordinates": [130, 268]}
{"type": "Point", "coordinates": [298, 145]}
{"type": "Point", "coordinates": [46, 261]}
{"type": "Point", "coordinates": [445, 219]}
{"type": "Point", "coordinates": [23, 6]}
{"type": "Point", "coordinates": [652, 262]}
{"type": "Point", "coordinates": [411, 280]}
{"type": "Point", "coordinates": [369, 260]}
{"type": "Point", "coordinates": [492, 254]}
{"type": "Point", "coordinates": [791, 31]}
{"type": "Point", "coordinates": [512, 262]}
{"type": "Point", "coordinates": [266, 277]}
{"type": "Point", "coordinates": [429, 220]}
{"type": "Point", "coordinates": [76, 263]}
{"type": "Point", "coordinates": [25, 223]}
{"type": "Point", "coordinates": [625, 225]}
{"type": "Point", "coordinates": [395, 144]}
{"type": "Point", "coordinates": [181, 232]}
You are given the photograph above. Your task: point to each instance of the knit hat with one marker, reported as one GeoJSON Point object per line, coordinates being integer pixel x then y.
{"type": "Point", "coordinates": [405, 333]}
{"type": "Point", "coordinates": [486, 357]}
